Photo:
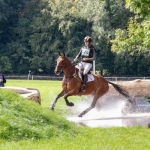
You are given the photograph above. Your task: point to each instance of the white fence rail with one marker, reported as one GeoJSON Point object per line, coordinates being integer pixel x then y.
{"type": "Point", "coordinates": [126, 78]}
{"type": "Point", "coordinates": [38, 77]}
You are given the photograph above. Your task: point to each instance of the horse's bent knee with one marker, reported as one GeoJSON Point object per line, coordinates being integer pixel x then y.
{"type": "Point", "coordinates": [65, 96]}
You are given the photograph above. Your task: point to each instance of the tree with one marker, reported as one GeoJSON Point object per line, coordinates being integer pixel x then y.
{"type": "Point", "coordinates": [35, 31]}
{"type": "Point", "coordinates": [135, 40]}
{"type": "Point", "coordinates": [104, 16]}
{"type": "Point", "coordinates": [17, 45]}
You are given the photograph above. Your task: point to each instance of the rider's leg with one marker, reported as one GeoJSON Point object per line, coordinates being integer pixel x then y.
{"type": "Point", "coordinates": [87, 67]}
{"type": "Point", "coordinates": [80, 66]}
{"type": "Point", "coordinates": [85, 78]}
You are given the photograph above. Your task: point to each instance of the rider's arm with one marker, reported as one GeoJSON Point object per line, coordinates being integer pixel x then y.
{"type": "Point", "coordinates": [94, 55]}
{"type": "Point", "coordinates": [79, 54]}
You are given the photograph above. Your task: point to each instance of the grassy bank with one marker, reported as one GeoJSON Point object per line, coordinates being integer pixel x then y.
{"type": "Point", "coordinates": [48, 90]}
{"type": "Point", "coordinates": [24, 125]}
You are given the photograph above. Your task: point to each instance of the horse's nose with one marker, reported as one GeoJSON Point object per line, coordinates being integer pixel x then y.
{"type": "Point", "coordinates": [56, 72]}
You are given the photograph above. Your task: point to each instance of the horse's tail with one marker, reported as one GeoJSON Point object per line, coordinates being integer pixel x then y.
{"type": "Point", "coordinates": [121, 90]}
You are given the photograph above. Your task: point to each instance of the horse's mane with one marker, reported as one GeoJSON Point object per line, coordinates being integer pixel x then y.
{"type": "Point", "coordinates": [68, 59]}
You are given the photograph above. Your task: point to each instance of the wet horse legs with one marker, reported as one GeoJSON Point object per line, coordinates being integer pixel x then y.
{"type": "Point", "coordinates": [97, 95]}
{"type": "Point", "coordinates": [55, 101]}
{"type": "Point", "coordinates": [67, 102]}
{"type": "Point", "coordinates": [86, 110]}
{"type": "Point", "coordinates": [91, 107]}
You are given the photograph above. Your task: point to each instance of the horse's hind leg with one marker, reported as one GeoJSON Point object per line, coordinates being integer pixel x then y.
{"type": "Point", "coordinates": [91, 107]}
{"type": "Point", "coordinates": [97, 95]}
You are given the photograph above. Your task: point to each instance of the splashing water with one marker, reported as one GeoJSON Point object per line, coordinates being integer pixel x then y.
{"type": "Point", "coordinates": [105, 107]}
{"type": "Point", "coordinates": [109, 112]}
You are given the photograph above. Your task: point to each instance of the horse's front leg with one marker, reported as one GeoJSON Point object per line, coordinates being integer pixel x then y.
{"type": "Point", "coordinates": [70, 93]}
{"type": "Point", "coordinates": [67, 102]}
{"type": "Point", "coordinates": [55, 101]}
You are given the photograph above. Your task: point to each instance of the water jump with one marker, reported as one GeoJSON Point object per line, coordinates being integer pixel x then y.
{"type": "Point", "coordinates": [72, 83]}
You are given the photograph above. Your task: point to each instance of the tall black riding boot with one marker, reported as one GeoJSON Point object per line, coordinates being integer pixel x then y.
{"type": "Point", "coordinates": [85, 78]}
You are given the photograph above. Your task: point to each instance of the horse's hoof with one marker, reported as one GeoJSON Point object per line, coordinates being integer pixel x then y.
{"type": "Point", "coordinates": [71, 104]}
{"type": "Point", "coordinates": [52, 108]}
{"type": "Point", "coordinates": [80, 116]}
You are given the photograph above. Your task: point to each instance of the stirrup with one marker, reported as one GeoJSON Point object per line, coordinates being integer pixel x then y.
{"type": "Point", "coordinates": [83, 87]}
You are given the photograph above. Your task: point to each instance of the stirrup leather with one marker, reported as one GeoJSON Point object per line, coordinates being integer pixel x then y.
{"type": "Point", "coordinates": [83, 87]}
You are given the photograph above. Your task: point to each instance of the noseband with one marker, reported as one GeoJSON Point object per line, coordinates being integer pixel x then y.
{"type": "Point", "coordinates": [74, 74]}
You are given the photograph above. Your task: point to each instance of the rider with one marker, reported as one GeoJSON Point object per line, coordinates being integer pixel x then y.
{"type": "Point", "coordinates": [87, 54]}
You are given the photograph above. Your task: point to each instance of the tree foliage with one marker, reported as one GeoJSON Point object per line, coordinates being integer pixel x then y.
{"type": "Point", "coordinates": [135, 40]}
{"type": "Point", "coordinates": [34, 31]}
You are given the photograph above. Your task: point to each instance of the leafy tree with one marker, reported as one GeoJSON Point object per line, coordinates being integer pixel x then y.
{"type": "Point", "coordinates": [18, 48]}
{"type": "Point", "coordinates": [56, 30]}
{"type": "Point", "coordinates": [34, 31]}
{"type": "Point", "coordinates": [5, 65]}
{"type": "Point", "coordinates": [139, 7]}
{"type": "Point", "coordinates": [135, 40]}
{"type": "Point", "coordinates": [105, 16]}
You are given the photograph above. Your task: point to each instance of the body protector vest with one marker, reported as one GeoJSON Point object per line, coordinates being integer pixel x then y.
{"type": "Point", "coordinates": [85, 52]}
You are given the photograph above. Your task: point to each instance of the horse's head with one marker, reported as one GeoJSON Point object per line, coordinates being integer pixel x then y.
{"type": "Point", "coordinates": [62, 63]}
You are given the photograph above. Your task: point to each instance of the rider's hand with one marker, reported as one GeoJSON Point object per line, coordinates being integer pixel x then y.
{"type": "Point", "coordinates": [85, 59]}
{"type": "Point", "coordinates": [75, 60]}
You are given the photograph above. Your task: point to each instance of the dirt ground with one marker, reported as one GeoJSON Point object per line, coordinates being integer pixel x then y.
{"type": "Point", "coordinates": [136, 88]}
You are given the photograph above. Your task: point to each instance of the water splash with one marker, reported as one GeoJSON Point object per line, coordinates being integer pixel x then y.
{"type": "Point", "coordinates": [109, 112]}
{"type": "Point", "coordinates": [105, 107]}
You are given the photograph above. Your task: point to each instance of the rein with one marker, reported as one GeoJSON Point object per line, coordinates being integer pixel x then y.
{"type": "Point", "coordinates": [74, 75]}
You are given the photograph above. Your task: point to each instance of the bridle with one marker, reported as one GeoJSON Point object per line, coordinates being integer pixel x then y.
{"type": "Point", "coordinates": [61, 68]}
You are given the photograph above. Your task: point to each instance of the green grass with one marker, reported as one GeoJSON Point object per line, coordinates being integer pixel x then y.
{"type": "Point", "coordinates": [48, 89]}
{"type": "Point", "coordinates": [24, 125]}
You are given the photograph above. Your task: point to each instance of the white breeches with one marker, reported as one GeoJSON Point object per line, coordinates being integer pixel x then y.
{"type": "Point", "coordinates": [84, 66]}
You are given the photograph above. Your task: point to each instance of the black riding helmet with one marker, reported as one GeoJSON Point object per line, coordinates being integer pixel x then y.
{"type": "Point", "coordinates": [87, 39]}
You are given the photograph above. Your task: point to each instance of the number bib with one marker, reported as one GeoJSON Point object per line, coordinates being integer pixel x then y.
{"type": "Point", "coordinates": [85, 52]}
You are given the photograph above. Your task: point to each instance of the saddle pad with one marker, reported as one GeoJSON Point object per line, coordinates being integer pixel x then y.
{"type": "Point", "coordinates": [90, 77]}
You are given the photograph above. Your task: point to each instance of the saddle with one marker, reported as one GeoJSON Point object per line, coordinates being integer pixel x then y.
{"type": "Point", "coordinates": [89, 74]}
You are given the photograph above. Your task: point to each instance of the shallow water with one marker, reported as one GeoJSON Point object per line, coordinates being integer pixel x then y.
{"type": "Point", "coordinates": [129, 120]}
{"type": "Point", "coordinates": [109, 113]}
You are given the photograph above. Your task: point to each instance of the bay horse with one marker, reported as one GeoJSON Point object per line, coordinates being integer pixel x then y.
{"type": "Point", "coordinates": [71, 84]}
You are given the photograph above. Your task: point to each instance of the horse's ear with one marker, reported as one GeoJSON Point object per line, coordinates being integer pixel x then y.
{"type": "Point", "coordinates": [64, 54]}
{"type": "Point", "coordinates": [59, 54]}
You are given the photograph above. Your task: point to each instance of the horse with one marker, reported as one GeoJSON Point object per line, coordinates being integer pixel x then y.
{"type": "Point", "coordinates": [71, 84]}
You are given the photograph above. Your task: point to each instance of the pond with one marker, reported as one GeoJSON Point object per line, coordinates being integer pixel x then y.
{"type": "Point", "coordinates": [110, 114]}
